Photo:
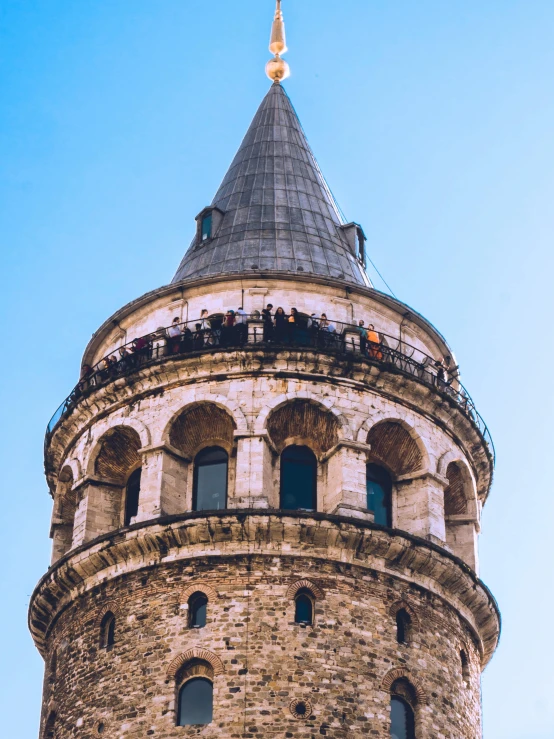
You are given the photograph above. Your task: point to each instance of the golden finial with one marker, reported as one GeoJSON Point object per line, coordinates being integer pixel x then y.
{"type": "Point", "coordinates": [277, 69]}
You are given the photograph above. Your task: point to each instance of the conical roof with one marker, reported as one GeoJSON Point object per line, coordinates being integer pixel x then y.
{"type": "Point", "coordinates": [279, 214]}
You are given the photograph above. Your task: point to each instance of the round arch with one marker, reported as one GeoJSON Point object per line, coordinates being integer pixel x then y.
{"type": "Point", "coordinates": [128, 428]}
{"type": "Point", "coordinates": [194, 654]}
{"type": "Point", "coordinates": [400, 673]}
{"type": "Point", "coordinates": [326, 404]}
{"type": "Point", "coordinates": [395, 444]}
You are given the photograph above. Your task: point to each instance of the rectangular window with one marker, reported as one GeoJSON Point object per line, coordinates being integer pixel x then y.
{"type": "Point", "coordinates": [207, 227]}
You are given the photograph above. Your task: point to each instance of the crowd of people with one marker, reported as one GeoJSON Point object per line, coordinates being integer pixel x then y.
{"type": "Point", "coordinates": [275, 327]}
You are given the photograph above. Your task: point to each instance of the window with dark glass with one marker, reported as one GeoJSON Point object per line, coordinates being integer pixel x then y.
{"type": "Point", "coordinates": [198, 610]}
{"type": "Point", "coordinates": [107, 631]}
{"type": "Point", "coordinates": [403, 623]}
{"type": "Point", "coordinates": [132, 495]}
{"type": "Point", "coordinates": [402, 719]}
{"type": "Point", "coordinates": [207, 221]}
{"type": "Point", "coordinates": [210, 480]}
{"type": "Point", "coordinates": [379, 490]}
{"type": "Point", "coordinates": [298, 479]}
{"type": "Point", "coordinates": [196, 703]}
{"type": "Point", "coordinates": [304, 608]}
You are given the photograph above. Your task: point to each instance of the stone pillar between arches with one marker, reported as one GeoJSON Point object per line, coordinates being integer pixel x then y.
{"type": "Point", "coordinates": [163, 483]}
{"type": "Point", "coordinates": [99, 510]}
{"type": "Point", "coordinates": [254, 487]}
{"type": "Point", "coordinates": [462, 535]}
{"type": "Point", "coordinates": [418, 505]}
{"type": "Point", "coordinates": [346, 489]}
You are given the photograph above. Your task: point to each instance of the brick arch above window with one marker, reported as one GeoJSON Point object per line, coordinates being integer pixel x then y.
{"type": "Point", "coordinates": [118, 454]}
{"type": "Point", "coordinates": [304, 419]}
{"type": "Point", "coordinates": [400, 673]}
{"type": "Point", "coordinates": [397, 447]}
{"type": "Point", "coordinates": [110, 607]}
{"type": "Point", "coordinates": [199, 587]}
{"type": "Point", "coordinates": [194, 654]}
{"type": "Point", "coordinates": [299, 585]}
{"type": "Point", "coordinates": [199, 424]}
{"type": "Point", "coordinates": [402, 605]}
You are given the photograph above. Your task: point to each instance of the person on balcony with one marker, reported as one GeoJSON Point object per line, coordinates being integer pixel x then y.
{"type": "Point", "coordinates": [292, 325]}
{"type": "Point", "coordinates": [374, 343]}
{"type": "Point", "coordinates": [280, 325]}
{"type": "Point", "coordinates": [210, 338]}
{"type": "Point", "coordinates": [268, 322]}
{"type": "Point", "coordinates": [327, 330]}
{"type": "Point", "coordinates": [174, 332]}
{"type": "Point", "coordinates": [242, 328]}
{"type": "Point", "coordinates": [363, 336]}
{"type": "Point", "coordinates": [198, 338]}
{"type": "Point", "coordinates": [228, 330]}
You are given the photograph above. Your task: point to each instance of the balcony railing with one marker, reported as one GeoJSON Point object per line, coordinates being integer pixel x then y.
{"type": "Point", "coordinates": [209, 335]}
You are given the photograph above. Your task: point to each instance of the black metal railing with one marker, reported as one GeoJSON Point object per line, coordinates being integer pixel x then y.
{"type": "Point", "coordinates": [208, 335]}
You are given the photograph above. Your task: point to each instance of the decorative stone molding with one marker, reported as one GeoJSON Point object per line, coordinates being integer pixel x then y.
{"type": "Point", "coordinates": [183, 536]}
{"type": "Point", "coordinates": [400, 673]}
{"type": "Point", "coordinates": [403, 605]}
{"type": "Point", "coordinates": [210, 593]}
{"type": "Point", "coordinates": [314, 589]}
{"type": "Point", "coordinates": [191, 654]}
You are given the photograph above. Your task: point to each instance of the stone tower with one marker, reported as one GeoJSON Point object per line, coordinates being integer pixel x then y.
{"type": "Point", "coordinates": [266, 527]}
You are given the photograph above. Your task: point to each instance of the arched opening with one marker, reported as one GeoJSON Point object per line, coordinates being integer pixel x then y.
{"type": "Point", "coordinates": [198, 610]}
{"type": "Point", "coordinates": [465, 666]}
{"type": "Point", "coordinates": [403, 626]}
{"type": "Point", "coordinates": [402, 719]}
{"type": "Point", "coordinates": [49, 729]}
{"type": "Point", "coordinates": [392, 446]}
{"type": "Point", "coordinates": [301, 419]}
{"type": "Point", "coordinates": [379, 494]}
{"type": "Point", "coordinates": [132, 496]}
{"type": "Point", "coordinates": [210, 479]}
{"type": "Point", "coordinates": [195, 703]}
{"type": "Point", "coordinates": [298, 479]}
{"type": "Point", "coordinates": [107, 631]}
{"type": "Point", "coordinates": [304, 608]}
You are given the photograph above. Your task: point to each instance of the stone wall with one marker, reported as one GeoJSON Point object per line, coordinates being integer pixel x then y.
{"type": "Point", "coordinates": [341, 666]}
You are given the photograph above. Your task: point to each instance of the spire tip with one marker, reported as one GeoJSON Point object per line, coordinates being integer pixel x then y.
{"type": "Point", "coordinates": [277, 68]}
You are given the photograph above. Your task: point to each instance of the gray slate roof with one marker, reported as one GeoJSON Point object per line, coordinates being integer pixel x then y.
{"type": "Point", "coordinates": [280, 215]}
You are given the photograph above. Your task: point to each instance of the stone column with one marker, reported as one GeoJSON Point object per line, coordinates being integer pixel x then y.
{"type": "Point", "coordinates": [255, 331]}
{"type": "Point", "coordinates": [163, 483]}
{"type": "Point", "coordinates": [254, 486]}
{"type": "Point", "coordinates": [346, 488]}
{"type": "Point", "coordinates": [418, 505]}
{"type": "Point", "coordinates": [462, 535]}
{"type": "Point", "coordinates": [99, 511]}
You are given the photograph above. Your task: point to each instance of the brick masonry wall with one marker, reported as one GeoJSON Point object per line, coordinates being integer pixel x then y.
{"type": "Point", "coordinates": [339, 665]}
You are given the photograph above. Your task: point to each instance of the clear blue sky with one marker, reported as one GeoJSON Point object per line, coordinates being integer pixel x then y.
{"type": "Point", "coordinates": [434, 124]}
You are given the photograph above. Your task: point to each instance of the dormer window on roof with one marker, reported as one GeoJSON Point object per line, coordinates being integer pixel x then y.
{"type": "Point", "coordinates": [208, 223]}
{"type": "Point", "coordinates": [206, 227]}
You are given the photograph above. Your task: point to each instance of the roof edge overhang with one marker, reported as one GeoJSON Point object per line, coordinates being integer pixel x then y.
{"type": "Point", "coordinates": [341, 286]}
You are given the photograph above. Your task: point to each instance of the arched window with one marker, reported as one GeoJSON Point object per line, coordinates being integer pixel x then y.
{"type": "Point", "coordinates": [403, 623]}
{"type": "Point", "coordinates": [210, 479]}
{"type": "Point", "coordinates": [304, 608]}
{"type": "Point", "coordinates": [196, 702]}
{"type": "Point", "coordinates": [198, 610]}
{"type": "Point", "coordinates": [53, 668]}
{"type": "Point", "coordinates": [379, 489]}
{"type": "Point", "coordinates": [298, 479]}
{"type": "Point", "coordinates": [402, 724]}
{"type": "Point", "coordinates": [465, 666]}
{"type": "Point", "coordinates": [49, 729]}
{"type": "Point", "coordinates": [107, 631]}
{"type": "Point", "coordinates": [132, 495]}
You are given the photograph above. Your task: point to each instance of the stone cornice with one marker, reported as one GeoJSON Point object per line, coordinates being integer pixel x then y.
{"type": "Point", "coordinates": [267, 533]}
